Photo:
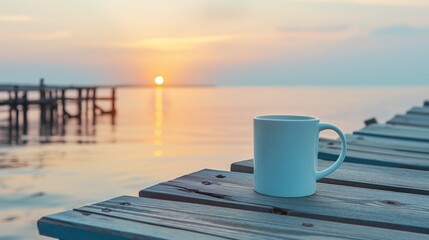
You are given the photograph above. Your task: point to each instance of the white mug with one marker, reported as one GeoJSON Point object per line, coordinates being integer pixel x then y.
{"type": "Point", "coordinates": [285, 154]}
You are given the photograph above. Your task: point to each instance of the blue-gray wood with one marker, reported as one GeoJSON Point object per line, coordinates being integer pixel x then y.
{"type": "Point", "coordinates": [410, 120]}
{"type": "Point", "coordinates": [78, 225]}
{"type": "Point", "coordinates": [324, 142]}
{"type": "Point", "coordinates": [387, 143]}
{"type": "Point", "coordinates": [364, 176]}
{"type": "Point", "coordinates": [144, 218]}
{"type": "Point", "coordinates": [370, 121]}
{"type": "Point", "coordinates": [86, 225]}
{"type": "Point", "coordinates": [397, 132]}
{"type": "Point", "coordinates": [329, 150]}
{"type": "Point", "coordinates": [337, 203]}
{"type": "Point", "coordinates": [419, 111]}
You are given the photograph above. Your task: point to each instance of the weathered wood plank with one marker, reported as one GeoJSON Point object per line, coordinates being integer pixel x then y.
{"type": "Point", "coordinates": [244, 166]}
{"type": "Point", "coordinates": [410, 120]}
{"type": "Point", "coordinates": [329, 150]}
{"type": "Point", "coordinates": [367, 207]}
{"type": "Point", "coordinates": [71, 225]}
{"type": "Point", "coordinates": [419, 111]}
{"type": "Point", "coordinates": [325, 142]}
{"type": "Point", "coordinates": [398, 132]}
{"type": "Point", "coordinates": [388, 143]}
{"type": "Point", "coordinates": [79, 225]}
{"type": "Point", "coordinates": [143, 218]}
{"type": "Point", "coordinates": [365, 176]}
{"type": "Point", "coordinates": [228, 223]}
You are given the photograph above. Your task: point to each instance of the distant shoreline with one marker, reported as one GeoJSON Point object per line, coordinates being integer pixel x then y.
{"type": "Point", "coordinates": [164, 86]}
{"type": "Point", "coordinates": [9, 87]}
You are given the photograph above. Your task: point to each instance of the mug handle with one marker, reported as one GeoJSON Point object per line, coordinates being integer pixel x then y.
{"type": "Point", "coordinates": [333, 167]}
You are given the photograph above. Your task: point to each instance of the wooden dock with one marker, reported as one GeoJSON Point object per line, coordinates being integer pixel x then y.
{"type": "Point", "coordinates": [55, 104]}
{"type": "Point", "coordinates": [380, 192]}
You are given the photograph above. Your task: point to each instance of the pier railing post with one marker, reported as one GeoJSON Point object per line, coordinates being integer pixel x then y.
{"type": "Point", "coordinates": [63, 105]}
{"type": "Point", "coordinates": [56, 103]}
{"type": "Point", "coordinates": [25, 112]}
{"type": "Point", "coordinates": [87, 103]}
{"type": "Point", "coordinates": [94, 106]}
{"type": "Point", "coordinates": [10, 116]}
{"type": "Point", "coordinates": [42, 102]}
{"type": "Point", "coordinates": [79, 105]}
{"type": "Point", "coordinates": [113, 111]}
{"type": "Point", "coordinates": [16, 107]}
{"type": "Point", "coordinates": [51, 111]}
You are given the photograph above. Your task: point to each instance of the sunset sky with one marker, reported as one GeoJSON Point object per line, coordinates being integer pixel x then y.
{"type": "Point", "coordinates": [225, 42]}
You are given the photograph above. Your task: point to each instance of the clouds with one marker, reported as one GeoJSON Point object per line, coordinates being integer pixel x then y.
{"type": "Point", "coordinates": [399, 3]}
{"type": "Point", "coordinates": [16, 18]}
{"type": "Point", "coordinates": [281, 36]}
{"type": "Point", "coordinates": [329, 33]}
{"type": "Point", "coordinates": [173, 43]}
{"type": "Point", "coordinates": [24, 32]}
{"type": "Point", "coordinates": [224, 10]}
{"type": "Point", "coordinates": [401, 30]}
{"type": "Point", "coordinates": [47, 36]}
{"type": "Point", "coordinates": [192, 40]}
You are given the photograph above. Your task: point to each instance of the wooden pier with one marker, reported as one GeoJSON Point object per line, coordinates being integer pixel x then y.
{"type": "Point", "coordinates": [381, 191]}
{"type": "Point", "coordinates": [55, 104]}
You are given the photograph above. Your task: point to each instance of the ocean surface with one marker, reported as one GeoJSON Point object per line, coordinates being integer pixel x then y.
{"type": "Point", "coordinates": [161, 134]}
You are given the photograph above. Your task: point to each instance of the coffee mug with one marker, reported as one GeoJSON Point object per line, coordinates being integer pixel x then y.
{"type": "Point", "coordinates": [285, 154]}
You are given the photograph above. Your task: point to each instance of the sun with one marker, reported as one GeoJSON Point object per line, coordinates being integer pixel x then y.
{"type": "Point", "coordinates": [159, 80]}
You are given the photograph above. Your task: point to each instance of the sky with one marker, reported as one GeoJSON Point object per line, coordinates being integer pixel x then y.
{"type": "Point", "coordinates": [222, 42]}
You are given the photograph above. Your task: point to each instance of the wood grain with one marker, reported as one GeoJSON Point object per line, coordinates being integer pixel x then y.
{"type": "Point", "coordinates": [324, 142]}
{"type": "Point", "coordinates": [337, 203]}
{"type": "Point", "coordinates": [364, 176]}
{"type": "Point", "coordinates": [419, 110]}
{"type": "Point", "coordinates": [143, 218]}
{"type": "Point", "coordinates": [80, 225]}
{"type": "Point", "coordinates": [410, 120]}
{"type": "Point", "coordinates": [398, 132]}
{"type": "Point", "coordinates": [387, 143]}
{"type": "Point", "coordinates": [329, 150]}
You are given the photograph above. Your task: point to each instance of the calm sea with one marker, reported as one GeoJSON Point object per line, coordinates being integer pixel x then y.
{"type": "Point", "coordinates": [161, 134]}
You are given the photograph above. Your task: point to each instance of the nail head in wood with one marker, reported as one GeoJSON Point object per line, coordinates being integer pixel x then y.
{"type": "Point", "coordinates": [206, 182]}
{"type": "Point", "coordinates": [307, 225]}
{"type": "Point", "coordinates": [279, 211]}
{"type": "Point", "coordinates": [106, 210]}
{"type": "Point", "coordinates": [391, 202]}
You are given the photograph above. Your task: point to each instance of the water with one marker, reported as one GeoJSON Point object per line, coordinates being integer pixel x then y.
{"type": "Point", "coordinates": [161, 134]}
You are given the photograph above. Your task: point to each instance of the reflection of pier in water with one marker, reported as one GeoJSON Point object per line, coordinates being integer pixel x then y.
{"type": "Point", "coordinates": [55, 104]}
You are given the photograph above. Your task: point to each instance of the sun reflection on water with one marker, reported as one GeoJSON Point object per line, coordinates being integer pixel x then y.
{"type": "Point", "coordinates": [195, 128]}
{"type": "Point", "coordinates": [159, 115]}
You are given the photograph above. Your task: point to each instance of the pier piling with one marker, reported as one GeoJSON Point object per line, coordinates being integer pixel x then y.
{"type": "Point", "coordinates": [19, 99]}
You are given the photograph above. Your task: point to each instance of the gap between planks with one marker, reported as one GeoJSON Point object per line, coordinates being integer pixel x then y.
{"type": "Point", "coordinates": [337, 203]}
{"type": "Point", "coordinates": [144, 218]}
{"type": "Point", "coordinates": [364, 176]}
